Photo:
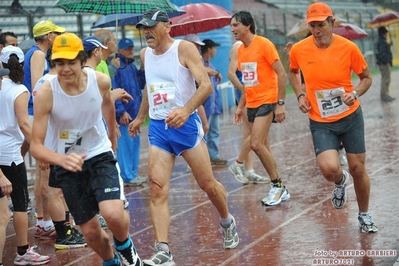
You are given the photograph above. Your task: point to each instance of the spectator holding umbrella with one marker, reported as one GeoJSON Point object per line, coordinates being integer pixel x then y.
{"type": "Point", "coordinates": [383, 54]}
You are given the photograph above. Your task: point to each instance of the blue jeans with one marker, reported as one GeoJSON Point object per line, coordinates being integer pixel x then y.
{"type": "Point", "coordinates": [212, 137]}
{"type": "Point", "coordinates": [128, 154]}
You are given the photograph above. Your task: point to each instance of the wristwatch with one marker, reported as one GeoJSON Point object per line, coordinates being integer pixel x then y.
{"type": "Point", "coordinates": [280, 102]}
{"type": "Point", "coordinates": [355, 94]}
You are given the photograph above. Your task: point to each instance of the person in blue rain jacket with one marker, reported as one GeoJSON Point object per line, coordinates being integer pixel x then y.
{"type": "Point", "coordinates": [130, 78]}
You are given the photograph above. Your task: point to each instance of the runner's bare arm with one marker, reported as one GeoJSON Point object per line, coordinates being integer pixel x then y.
{"type": "Point", "coordinates": [108, 107]}
{"type": "Point", "coordinates": [21, 112]}
{"type": "Point", "coordinates": [42, 108]}
{"type": "Point", "coordinates": [189, 57]}
{"type": "Point", "coordinates": [134, 126]}
{"type": "Point", "coordinates": [233, 68]}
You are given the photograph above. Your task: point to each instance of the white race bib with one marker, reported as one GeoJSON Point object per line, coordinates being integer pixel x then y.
{"type": "Point", "coordinates": [330, 102]}
{"type": "Point", "coordinates": [74, 141]}
{"type": "Point", "coordinates": [249, 74]}
{"type": "Point", "coordinates": [162, 96]}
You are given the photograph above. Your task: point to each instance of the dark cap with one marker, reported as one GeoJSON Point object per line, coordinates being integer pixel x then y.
{"type": "Point", "coordinates": [152, 16]}
{"type": "Point", "coordinates": [208, 44]}
{"type": "Point", "coordinates": [382, 31]}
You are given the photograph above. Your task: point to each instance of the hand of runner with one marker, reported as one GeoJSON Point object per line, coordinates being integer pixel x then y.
{"type": "Point", "coordinates": [304, 105]}
{"type": "Point", "coordinates": [134, 128]}
{"type": "Point", "coordinates": [5, 185]}
{"type": "Point", "coordinates": [120, 94]}
{"type": "Point", "coordinates": [73, 162]}
{"type": "Point", "coordinates": [238, 117]}
{"type": "Point", "coordinates": [176, 118]}
{"type": "Point", "coordinates": [348, 98]}
{"type": "Point", "coordinates": [280, 114]}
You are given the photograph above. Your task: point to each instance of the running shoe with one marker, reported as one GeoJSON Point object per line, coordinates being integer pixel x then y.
{"type": "Point", "coordinates": [114, 262]}
{"type": "Point", "coordinates": [138, 181]}
{"type": "Point", "coordinates": [254, 178]}
{"type": "Point", "coordinates": [125, 203]}
{"type": "Point", "coordinates": [238, 171]}
{"type": "Point", "coordinates": [70, 240]}
{"type": "Point", "coordinates": [366, 223]}
{"type": "Point", "coordinates": [31, 258]}
{"type": "Point", "coordinates": [128, 254]}
{"type": "Point", "coordinates": [230, 236]}
{"type": "Point", "coordinates": [45, 234]}
{"type": "Point", "coordinates": [76, 232]}
{"type": "Point", "coordinates": [188, 169]}
{"type": "Point", "coordinates": [338, 197]}
{"type": "Point", "coordinates": [160, 257]}
{"type": "Point", "coordinates": [102, 221]}
{"type": "Point", "coordinates": [278, 193]}
{"type": "Point", "coordinates": [218, 161]}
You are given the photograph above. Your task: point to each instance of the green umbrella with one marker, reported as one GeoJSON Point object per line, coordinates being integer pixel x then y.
{"type": "Point", "coordinates": [106, 7]}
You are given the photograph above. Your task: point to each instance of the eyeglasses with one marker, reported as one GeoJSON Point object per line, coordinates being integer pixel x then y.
{"type": "Point", "coordinates": [56, 33]}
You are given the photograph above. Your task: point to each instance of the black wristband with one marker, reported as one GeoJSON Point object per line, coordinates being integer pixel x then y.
{"type": "Point", "coordinates": [300, 96]}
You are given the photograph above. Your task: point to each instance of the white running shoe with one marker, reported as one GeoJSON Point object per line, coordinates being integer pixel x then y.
{"type": "Point", "coordinates": [278, 193]}
{"type": "Point", "coordinates": [238, 171]}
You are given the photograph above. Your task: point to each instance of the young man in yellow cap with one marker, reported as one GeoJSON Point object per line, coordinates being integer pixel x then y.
{"type": "Point", "coordinates": [332, 103]}
{"type": "Point", "coordinates": [85, 166]}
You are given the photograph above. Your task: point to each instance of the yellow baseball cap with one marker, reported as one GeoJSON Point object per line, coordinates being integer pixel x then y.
{"type": "Point", "coordinates": [45, 27]}
{"type": "Point", "coordinates": [66, 46]}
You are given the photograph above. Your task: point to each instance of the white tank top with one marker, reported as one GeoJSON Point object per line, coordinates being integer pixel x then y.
{"type": "Point", "coordinates": [11, 137]}
{"type": "Point", "coordinates": [169, 84]}
{"type": "Point", "coordinates": [76, 121]}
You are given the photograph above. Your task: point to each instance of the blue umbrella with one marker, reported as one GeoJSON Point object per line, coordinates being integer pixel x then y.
{"type": "Point", "coordinates": [114, 20]}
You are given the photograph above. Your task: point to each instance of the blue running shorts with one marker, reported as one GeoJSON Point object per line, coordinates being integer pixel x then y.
{"type": "Point", "coordinates": [176, 140]}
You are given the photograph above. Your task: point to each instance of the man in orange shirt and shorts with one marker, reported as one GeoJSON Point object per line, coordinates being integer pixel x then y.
{"type": "Point", "coordinates": [331, 101]}
{"type": "Point", "coordinates": [264, 80]}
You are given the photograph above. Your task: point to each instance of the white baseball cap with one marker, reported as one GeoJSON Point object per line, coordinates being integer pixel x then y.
{"type": "Point", "coordinates": [194, 38]}
{"type": "Point", "coordinates": [10, 50]}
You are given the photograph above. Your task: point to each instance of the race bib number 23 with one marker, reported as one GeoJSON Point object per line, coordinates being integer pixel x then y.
{"type": "Point", "coordinates": [330, 102]}
{"type": "Point", "coordinates": [249, 74]}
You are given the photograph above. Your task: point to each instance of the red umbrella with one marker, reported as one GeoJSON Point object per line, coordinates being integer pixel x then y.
{"type": "Point", "coordinates": [349, 31]}
{"type": "Point", "coordinates": [384, 19]}
{"type": "Point", "coordinates": [200, 17]}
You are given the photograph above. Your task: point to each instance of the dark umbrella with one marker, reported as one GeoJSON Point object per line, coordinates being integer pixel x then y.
{"type": "Point", "coordinates": [127, 19]}
{"type": "Point", "coordinates": [200, 17]}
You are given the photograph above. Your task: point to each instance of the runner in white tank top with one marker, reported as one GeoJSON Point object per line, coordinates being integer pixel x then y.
{"type": "Point", "coordinates": [171, 100]}
{"type": "Point", "coordinates": [74, 104]}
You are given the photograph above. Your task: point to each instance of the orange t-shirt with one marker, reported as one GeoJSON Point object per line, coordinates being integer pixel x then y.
{"type": "Point", "coordinates": [327, 74]}
{"type": "Point", "coordinates": [258, 76]}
